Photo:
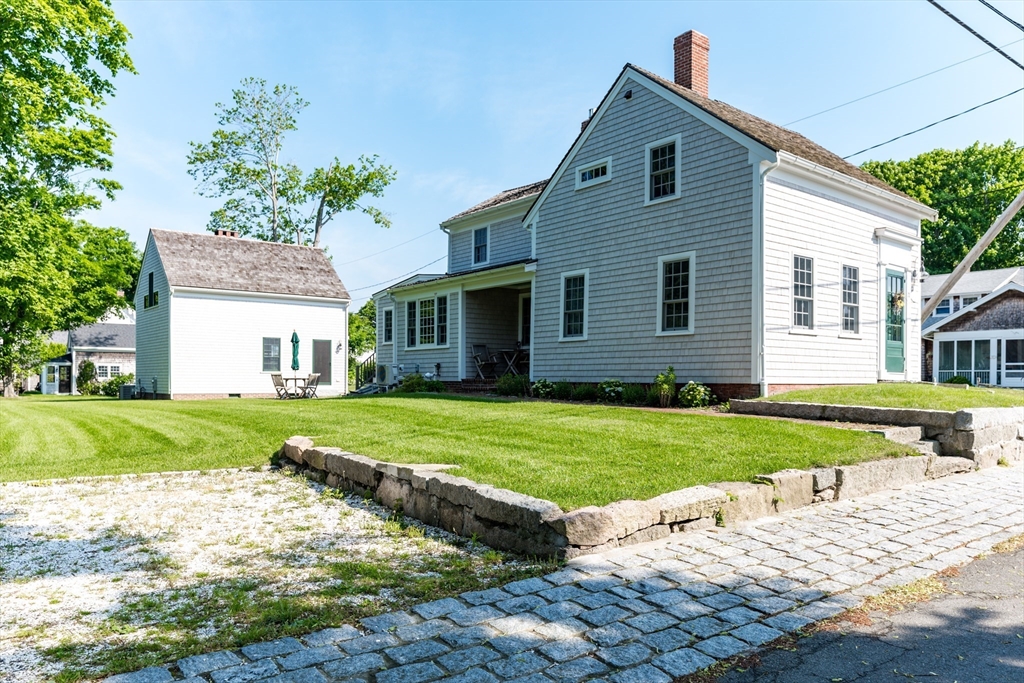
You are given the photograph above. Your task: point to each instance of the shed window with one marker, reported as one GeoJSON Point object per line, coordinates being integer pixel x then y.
{"type": "Point", "coordinates": [480, 238]}
{"type": "Point", "coordinates": [51, 374]}
{"type": "Point", "coordinates": [115, 370]}
{"type": "Point", "coordinates": [803, 291]}
{"type": "Point", "coordinates": [851, 299]}
{"type": "Point", "coordinates": [102, 372]}
{"type": "Point", "coordinates": [271, 354]}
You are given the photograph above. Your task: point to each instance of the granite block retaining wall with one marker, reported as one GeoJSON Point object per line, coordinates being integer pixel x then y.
{"type": "Point", "coordinates": [507, 520]}
{"type": "Point", "coordinates": [984, 435]}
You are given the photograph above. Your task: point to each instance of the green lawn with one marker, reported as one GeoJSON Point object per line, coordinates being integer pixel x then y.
{"type": "Point", "coordinates": [574, 455]}
{"type": "Point", "coordinates": [934, 397]}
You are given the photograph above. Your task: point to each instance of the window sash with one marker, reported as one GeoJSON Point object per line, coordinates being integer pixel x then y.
{"type": "Point", "coordinates": [851, 299]}
{"type": "Point", "coordinates": [573, 306]}
{"type": "Point", "coordinates": [663, 171]}
{"type": "Point", "coordinates": [101, 371]}
{"type": "Point", "coordinates": [427, 322]}
{"type": "Point", "coordinates": [675, 303]}
{"type": "Point", "coordinates": [442, 320]}
{"type": "Point", "coordinates": [115, 370]}
{"type": "Point", "coordinates": [389, 329]}
{"type": "Point", "coordinates": [410, 324]}
{"type": "Point", "coordinates": [480, 239]}
{"type": "Point", "coordinates": [943, 308]}
{"type": "Point", "coordinates": [591, 174]}
{"type": "Point", "coordinates": [803, 292]}
{"type": "Point", "coordinates": [271, 354]}
{"type": "Point", "coordinates": [51, 374]}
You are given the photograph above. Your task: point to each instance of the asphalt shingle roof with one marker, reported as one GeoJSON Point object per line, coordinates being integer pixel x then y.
{"type": "Point", "coordinates": [984, 281]}
{"type": "Point", "coordinates": [103, 335]}
{"type": "Point", "coordinates": [504, 197]}
{"type": "Point", "coordinates": [207, 261]}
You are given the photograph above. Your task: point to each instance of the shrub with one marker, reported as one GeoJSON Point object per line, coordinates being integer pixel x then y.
{"type": "Point", "coordinates": [610, 390]}
{"type": "Point", "coordinates": [634, 395]}
{"type": "Point", "coordinates": [513, 385]}
{"type": "Point", "coordinates": [653, 399]}
{"type": "Point", "coordinates": [584, 392]}
{"type": "Point", "coordinates": [86, 373]}
{"type": "Point", "coordinates": [563, 391]}
{"type": "Point", "coordinates": [957, 379]}
{"type": "Point", "coordinates": [113, 385]}
{"type": "Point", "coordinates": [696, 395]}
{"type": "Point", "coordinates": [413, 383]}
{"type": "Point", "coordinates": [542, 388]}
{"type": "Point", "coordinates": [665, 385]}
{"type": "Point", "coordinates": [435, 386]}
{"type": "Point", "coordinates": [88, 389]}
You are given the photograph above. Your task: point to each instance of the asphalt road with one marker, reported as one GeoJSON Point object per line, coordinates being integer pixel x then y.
{"type": "Point", "coordinates": [972, 634]}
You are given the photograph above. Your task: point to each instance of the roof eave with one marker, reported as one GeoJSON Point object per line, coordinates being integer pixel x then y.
{"type": "Point", "coordinates": [510, 207]}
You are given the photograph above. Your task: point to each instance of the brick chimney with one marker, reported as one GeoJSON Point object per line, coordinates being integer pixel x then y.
{"type": "Point", "coordinates": [220, 232]}
{"type": "Point", "coordinates": [692, 61]}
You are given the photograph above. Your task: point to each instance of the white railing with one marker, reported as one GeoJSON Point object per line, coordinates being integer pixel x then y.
{"type": "Point", "coordinates": [974, 377]}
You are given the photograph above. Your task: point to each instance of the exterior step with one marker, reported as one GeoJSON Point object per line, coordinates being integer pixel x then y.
{"type": "Point", "coordinates": [907, 435]}
{"type": "Point", "coordinates": [927, 447]}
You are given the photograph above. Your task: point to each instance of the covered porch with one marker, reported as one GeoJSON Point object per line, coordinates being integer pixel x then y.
{"type": "Point", "coordinates": [497, 324]}
{"type": "Point", "coordinates": [981, 357]}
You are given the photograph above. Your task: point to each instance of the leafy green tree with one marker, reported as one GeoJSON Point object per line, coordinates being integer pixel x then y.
{"type": "Point", "coordinates": [362, 329]}
{"type": "Point", "coordinates": [57, 59]}
{"type": "Point", "coordinates": [969, 188]}
{"type": "Point", "coordinates": [265, 197]}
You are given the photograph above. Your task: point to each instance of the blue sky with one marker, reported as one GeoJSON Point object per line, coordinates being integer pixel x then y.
{"type": "Point", "coordinates": [467, 99]}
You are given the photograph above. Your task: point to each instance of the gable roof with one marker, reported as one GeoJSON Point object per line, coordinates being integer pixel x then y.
{"type": "Point", "coordinates": [504, 197]}
{"type": "Point", "coordinates": [972, 282]}
{"type": "Point", "coordinates": [204, 261]}
{"type": "Point", "coordinates": [984, 301]}
{"type": "Point", "coordinates": [103, 336]}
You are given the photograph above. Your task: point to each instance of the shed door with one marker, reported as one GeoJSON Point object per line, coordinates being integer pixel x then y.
{"type": "Point", "coordinates": [322, 359]}
{"type": "Point", "coordinates": [895, 321]}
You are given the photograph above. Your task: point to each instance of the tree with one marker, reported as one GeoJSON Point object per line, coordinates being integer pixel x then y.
{"type": "Point", "coordinates": [56, 272]}
{"type": "Point", "coordinates": [264, 197]}
{"type": "Point", "coordinates": [969, 188]}
{"type": "Point", "coordinates": [362, 329]}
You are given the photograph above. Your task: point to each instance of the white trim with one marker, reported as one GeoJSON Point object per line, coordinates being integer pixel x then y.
{"type": "Point", "coordinates": [793, 327]}
{"type": "Point", "coordinates": [383, 324]}
{"type": "Point", "coordinates": [492, 214]}
{"type": "Point", "coordinates": [581, 185]}
{"type": "Point", "coordinates": [691, 257]}
{"type": "Point", "coordinates": [462, 333]}
{"type": "Point", "coordinates": [519, 325]}
{"type": "Point", "coordinates": [893, 235]}
{"type": "Point", "coordinates": [761, 168]}
{"type": "Point", "coordinates": [586, 305]}
{"type": "Point", "coordinates": [428, 347]}
{"type": "Point", "coordinates": [104, 349]}
{"type": "Point", "coordinates": [241, 294]}
{"type": "Point", "coordinates": [533, 318]}
{"type": "Point", "coordinates": [678, 140]}
{"type": "Point", "coordinates": [847, 334]}
{"type": "Point", "coordinates": [487, 246]}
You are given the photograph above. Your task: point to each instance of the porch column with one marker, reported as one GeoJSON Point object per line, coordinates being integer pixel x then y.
{"type": "Point", "coordinates": [533, 323]}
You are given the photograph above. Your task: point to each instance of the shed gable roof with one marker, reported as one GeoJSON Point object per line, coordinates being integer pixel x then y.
{"type": "Point", "coordinates": [205, 261]}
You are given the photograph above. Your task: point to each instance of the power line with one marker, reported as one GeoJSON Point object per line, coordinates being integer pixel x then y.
{"type": "Point", "coordinates": [966, 111]}
{"type": "Point", "coordinates": [917, 78]}
{"type": "Point", "coordinates": [411, 272]}
{"type": "Point", "coordinates": [429, 232]}
{"type": "Point", "coordinates": [1020, 26]}
{"type": "Point", "coordinates": [975, 33]}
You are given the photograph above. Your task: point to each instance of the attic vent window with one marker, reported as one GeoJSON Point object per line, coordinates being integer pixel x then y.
{"type": "Point", "coordinates": [593, 174]}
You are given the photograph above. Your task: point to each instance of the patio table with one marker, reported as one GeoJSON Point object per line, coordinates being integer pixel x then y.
{"type": "Point", "coordinates": [511, 357]}
{"type": "Point", "coordinates": [297, 392]}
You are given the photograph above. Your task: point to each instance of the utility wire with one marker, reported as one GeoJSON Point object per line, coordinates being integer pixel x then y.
{"type": "Point", "coordinates": [411, 272]}
{"type": "Point", "coordinates": [966, 111]}
{"type": "Point", "coordinates": [975, 33]}
{"type": "Point", "coordinates": [1020, 26]}
{"type": "Point", "coordinates": [917, 78]}
{"type": "Point", "coordinates": [429, 232]}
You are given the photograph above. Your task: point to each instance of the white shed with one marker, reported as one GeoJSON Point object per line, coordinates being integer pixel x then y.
{"type": "Point", "coordinates": [216, 313]}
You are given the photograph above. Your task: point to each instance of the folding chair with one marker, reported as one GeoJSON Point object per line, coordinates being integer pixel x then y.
{"type": "Point", "coordinates": [279, 385]}
{"type": "Point", "coordinates": [312, 382]}
{"type": "Point", "coordinates": [485, 362]}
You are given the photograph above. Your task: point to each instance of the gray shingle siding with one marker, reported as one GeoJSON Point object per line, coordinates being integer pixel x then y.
{"type": "Point", "coordinates": [448, 356]}
{"type": "Point", "coordinates": [492, 318]}
{"type": "Point", "coordinates": [153, 327]}
{"type": "Point", "coordinates": [508, 242]}
{"type": "Point", "coordinates": [607, 229]}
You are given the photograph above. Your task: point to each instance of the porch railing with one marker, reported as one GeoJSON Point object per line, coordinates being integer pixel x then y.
{"type": "Point", "coordinates": [974, 377]}
{"type": "Point", "coordinates": [366, 372]}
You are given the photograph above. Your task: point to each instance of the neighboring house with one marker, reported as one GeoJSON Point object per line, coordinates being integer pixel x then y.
{"type": "Point", "coordinates": [216, 314]}
{"type": "Point", "coordinates": [109, 344]}
{"type": "Point", "coordinates": [978, 329]}
{"type": "Point", "coordinates": [677, 230]}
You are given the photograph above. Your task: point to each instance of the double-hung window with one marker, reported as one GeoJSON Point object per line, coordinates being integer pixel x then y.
{"type": "Point", "coordinates": [481, 237]}
{"type": "Point", "coordinates": [389, 326]}
{"type": "Point", "coordinates": [271, 354]}
{"type": "Point", "coordinates": [101, 371]}
{"type": "Point", "coordinates": [675, 293]}
{"type": "Point", "coordinates": [574, 305]}
{"type": "Point", "coordinates": [115, 370]}
{"type": "Point", "coordinates": [851, 299]}
{"type": "Point", "coordinates": [943, 309]}
{"type": "Point", "coordinates": [803, 292]}
{"type": "Point", "coordinates": [662, 162]}
{"type": "Point", "coordinates": [427, 323]}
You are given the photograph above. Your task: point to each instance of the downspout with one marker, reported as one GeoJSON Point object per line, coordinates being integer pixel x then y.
{"type": "Point", "coordinates": [761, 372]}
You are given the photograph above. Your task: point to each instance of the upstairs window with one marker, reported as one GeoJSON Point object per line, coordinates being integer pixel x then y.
{"type": "Point", "coordinates": [968, 300]}
{"type": "Point", "coordinates": [943, 309]}
{"type": "Point", "coordinates": [803, 292]}
{"type": "Point", "coordinates": [593, 174]}
{"type": "Point", "coordinates": [389, 325]}
{"type": "Point", "coordinates": [271, 354]}
{"type": "Point", "coordinates": [480, 238]}
{"type": "Point", "coordinates": [662, 181]}
{"type": "Point", "coordinates": [851, 299]}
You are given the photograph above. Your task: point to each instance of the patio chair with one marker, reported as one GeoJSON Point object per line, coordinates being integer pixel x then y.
{"type": "Point", "coordinates": [312, 382]}
{"type": "Point", "coordinates": [485, 361]}
{"type": "Point", "coordinates": [279, 385]}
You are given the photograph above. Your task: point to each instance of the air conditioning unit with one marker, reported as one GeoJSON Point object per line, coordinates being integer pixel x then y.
{"type": "Point", "coordinates": [386, 375]}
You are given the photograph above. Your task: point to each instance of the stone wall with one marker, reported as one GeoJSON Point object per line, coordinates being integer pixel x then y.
{"type": "Point", "coordinates": [507, 520]}
{"type": "Point", "coordinates": [984, 435]}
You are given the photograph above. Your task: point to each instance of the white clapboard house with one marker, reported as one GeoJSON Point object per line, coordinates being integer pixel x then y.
{"type": "Point", "coordinates": [216, 313]}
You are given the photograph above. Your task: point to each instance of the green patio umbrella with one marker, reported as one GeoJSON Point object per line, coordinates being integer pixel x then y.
{"type": "Point", "coordinates": [295, 350]}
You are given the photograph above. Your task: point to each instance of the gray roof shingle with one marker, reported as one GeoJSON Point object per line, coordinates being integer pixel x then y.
{"type": "Point", "coordinates": [104, 336]}
{"type": "Point", "coordinates": [980, 281]}
{"type": "Point", "coordinates": [205, 261]}
{"type": "Point", "coordinates": [503, 197]}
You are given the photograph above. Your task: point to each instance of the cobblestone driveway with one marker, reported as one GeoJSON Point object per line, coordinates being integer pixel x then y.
{"type": "Point", "coordinates": [657, 611]}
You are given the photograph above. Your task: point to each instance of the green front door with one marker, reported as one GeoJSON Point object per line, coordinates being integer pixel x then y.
{"type": "Point", "coordinates": [895, 322]}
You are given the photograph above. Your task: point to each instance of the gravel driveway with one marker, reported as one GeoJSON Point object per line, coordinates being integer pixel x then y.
{"type": "Point", "coordinates": [112, 573]}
